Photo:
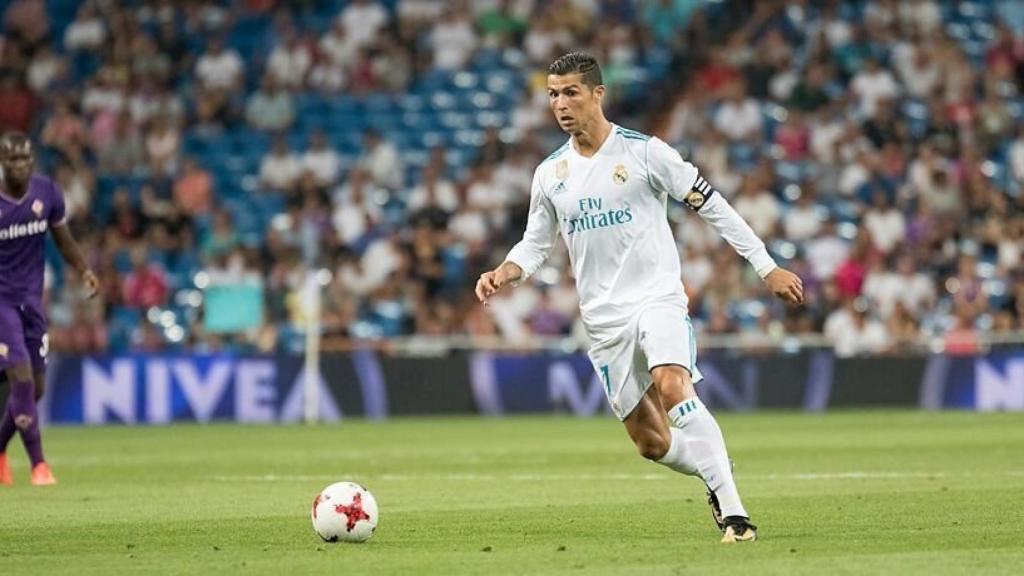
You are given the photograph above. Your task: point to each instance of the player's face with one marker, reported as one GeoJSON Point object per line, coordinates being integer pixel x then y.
{"type": "Point", "coordinates": [573, 103]}
{"type": "Point", "coordinates": [17, 162]}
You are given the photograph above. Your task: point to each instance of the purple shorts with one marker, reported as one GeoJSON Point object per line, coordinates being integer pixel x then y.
{"type": "Point", "coordinates": [22, 336]}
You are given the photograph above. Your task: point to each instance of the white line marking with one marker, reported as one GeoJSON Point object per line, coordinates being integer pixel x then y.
{"type": "Point", "coordinates": [805, 476]}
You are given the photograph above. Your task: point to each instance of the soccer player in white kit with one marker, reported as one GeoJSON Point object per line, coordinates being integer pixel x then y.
{"type": "Point", "coordinates": [605, 192]}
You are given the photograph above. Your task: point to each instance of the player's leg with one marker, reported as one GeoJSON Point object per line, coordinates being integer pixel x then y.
{"type": "Point", "coordinates": [12, 351]}
{"type": "Point", "coordinates": [668, 343]}
{"type": "Point", "coordinates": [654, 438]}
{"type": "Point", "coordinates": [37, 344]}
{"type": "Point", "coordinates": [704, 448]}
{"type": "Point", "coordinates": [17, 363]}
{"type": "Point", "coordinates": [7, 431]}
{"type": "Point", "coordinates": [21, 408]}
{"type": "Point", "coordinates": [647, 428]}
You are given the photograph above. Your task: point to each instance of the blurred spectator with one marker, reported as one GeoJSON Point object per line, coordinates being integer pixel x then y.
{"type": "Point", "coordinates": [854, 332]}
{"type": "Point", "coordinates": [363, 20]}
{"type": "Point", "coordinates": [289, 62]}
{"type": "Point", "coordinates": [757, 206]}
{"type": "Point", "coordinates": [321, 160]}
{"type": "Point", "coordinates": [220, 239]}
{"type": "Point", "coordinates": [64, 130]}
{"type": "Point", "coordinates": [392, 66]}
{"type": "Point", "coordinates": [453, 39]}
{"type": "Point", "coordinates": [739, 117]}
{"type": "Point", "coordinates": [19, 104]}
{"type": "Point", "coordinates": [148, 62]}
{"type": "Point", "coordinates": [885, 223]}
{"type": "Point", "coordinates": [123, 152]}
{"type": "Point", "coordinates": [280, 169]}
{"type": "Point", "coordinates": [381, 161]}
{"type": "Point", "coordinates": [501, 24]}
{"type": "Point", "coordinates": [826, 251]}
{"type": "Point", "coordinates": [356, 209]}
{"type": "Point", "coordinates": [270, 108]}
{"type": "Point", "coordinates": [125, 217]}
{"type": "Point", "coordinates": [27, 21]}
{"type": "Point", "coordinates": [803, 220]}
{"type": "Point", "coordinates": [1015, 156]}
{"type": "Point", "coordinates": [433, 190]}
{"type": "Point", "coordinates": [146, 285]}
{"type": "Point", "coordinates": [193, 189]}
{"type": "Point", "coordinates": [163, 143]}
{"type": "Point", "coordinates": [87, 31]}
{"type": "Point", "coordinates": [77, 183]}
{"type": "Point", "coordinates": [666, 18]}
{"type": "Point", "coordinates": [872, 85]}
{"type": "Point", "coordinates": [220, 74]}
{"type": "Point", "coordinates": [46, 70]}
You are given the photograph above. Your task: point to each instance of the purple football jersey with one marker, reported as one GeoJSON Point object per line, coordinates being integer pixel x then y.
{"type": "Point", "coordinates": [23, 226]}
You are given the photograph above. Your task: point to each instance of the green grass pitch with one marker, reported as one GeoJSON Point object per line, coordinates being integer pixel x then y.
{"type": "Point", "coordinates": [842, 493]}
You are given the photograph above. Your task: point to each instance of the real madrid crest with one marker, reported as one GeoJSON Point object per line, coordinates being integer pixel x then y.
{"type": "Point", "coordinates": [562, 170]}
{"type": "Point", "coordinates": [620, 175]}
{"type": "Point", "coordinates": [37, 208]}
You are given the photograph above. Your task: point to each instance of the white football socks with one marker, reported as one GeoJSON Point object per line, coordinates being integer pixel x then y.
{"type": "Point", "coordinates": [704, 447]}
{"type": "Point", "coordinates": [676, 458]}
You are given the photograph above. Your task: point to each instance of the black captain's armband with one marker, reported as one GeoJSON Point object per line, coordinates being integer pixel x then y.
{"type": "Point", "coordinates": [699, 194]}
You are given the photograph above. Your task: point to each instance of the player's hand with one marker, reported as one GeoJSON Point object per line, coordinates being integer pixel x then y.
{"type": "Point", "coordinates": [785, 285]}
{"type": "Point", "coordinates": [92, 284]}
{"type": "Point", "coordinates": [488, 284]}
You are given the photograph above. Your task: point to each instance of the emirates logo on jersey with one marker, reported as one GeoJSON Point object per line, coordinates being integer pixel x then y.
{"type": "Point", "coordinates": [37, 208]}
{"type": "Point", "coordinates": [620, 175]}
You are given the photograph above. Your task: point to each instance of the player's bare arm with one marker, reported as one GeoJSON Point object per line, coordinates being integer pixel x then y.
{"type": "Point", "coordinates": [72, 254]}
{"type": "Point", "coordinates": [492, 281]}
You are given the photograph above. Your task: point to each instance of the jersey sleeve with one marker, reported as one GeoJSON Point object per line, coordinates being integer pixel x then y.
{"type": "Point", "coordinates": [668, 172]}
{"type": "Point", "coordinates": [58, 211]}
{"type": "Point", "coordinates": [717, 211]}
{"type": "Point", "coordinates": [541, 229]}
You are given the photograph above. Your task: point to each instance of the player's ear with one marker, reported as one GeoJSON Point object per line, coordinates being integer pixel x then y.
{"type": "Point", "coordinates": [599, 92]}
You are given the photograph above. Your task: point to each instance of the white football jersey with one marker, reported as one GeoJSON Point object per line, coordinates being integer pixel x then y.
{"type": "Point", "coordinates": [610, 210]}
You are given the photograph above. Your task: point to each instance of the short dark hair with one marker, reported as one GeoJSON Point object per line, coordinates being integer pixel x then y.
{"type": "Point", "coordinates": [578, 63]}
{"type": "Point", "coordinates": [13, 140]}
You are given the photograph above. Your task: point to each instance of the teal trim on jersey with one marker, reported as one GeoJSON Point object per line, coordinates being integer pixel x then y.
{"type": "Point", "coordinates": [558, 152]}
{"type": "Point", "coordinates": [631, 134]}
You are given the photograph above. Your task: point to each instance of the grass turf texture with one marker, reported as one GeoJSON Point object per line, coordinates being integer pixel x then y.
{"type": "Point", "coordinates": [892, 492]}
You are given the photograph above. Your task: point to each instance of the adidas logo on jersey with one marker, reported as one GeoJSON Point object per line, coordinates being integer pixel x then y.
{"type": "Point", "coordinates": [559, 189]}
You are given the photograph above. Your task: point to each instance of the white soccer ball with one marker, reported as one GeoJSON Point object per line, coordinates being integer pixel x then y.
{"type": "Point", "coordinates": [345, 511]}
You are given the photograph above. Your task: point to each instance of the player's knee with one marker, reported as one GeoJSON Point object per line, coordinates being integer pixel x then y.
{"type": "Point", "coordinates": [23, 421]}
{"type": "Point", "coordinates": [673, 384]}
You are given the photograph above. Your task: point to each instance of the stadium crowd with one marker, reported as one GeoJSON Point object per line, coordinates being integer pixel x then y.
{"type": "Point", "coordinates": [877, 146]}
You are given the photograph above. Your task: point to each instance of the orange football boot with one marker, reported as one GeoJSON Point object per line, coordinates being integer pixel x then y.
{"type": "Point", "coordinates": [6, 479]}
{"type": "Point", "coordinates": [42, 475]}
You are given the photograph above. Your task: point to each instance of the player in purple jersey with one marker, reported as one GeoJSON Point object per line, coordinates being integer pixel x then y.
{"type": "Point", "coordinates": [30, 204]}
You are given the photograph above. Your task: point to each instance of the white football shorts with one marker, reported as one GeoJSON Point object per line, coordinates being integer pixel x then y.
{"type": "Point", "coordinates": [661, 334]}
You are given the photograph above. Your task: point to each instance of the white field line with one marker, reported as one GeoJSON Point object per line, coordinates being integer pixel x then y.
{"type": "Point", "coordinates": [804, 476]}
